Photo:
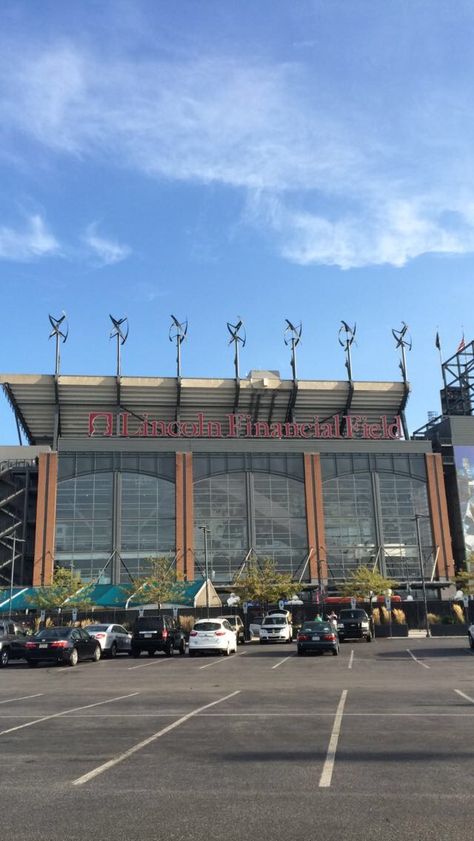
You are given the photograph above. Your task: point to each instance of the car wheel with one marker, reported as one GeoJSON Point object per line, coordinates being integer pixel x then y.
{"type": "Point", "coordinates": [182, 647]}
{"type": "Point", "coordinates": [135, 652]}
{"type": "Point", "coordinates": [191, 653]}
{"type": "Point", "coordinates": [335, 652]}
{"type": "Point", "coordinates": [262, 642]}
{"type": "Point", "coordinates": [73, 657]}
{"type": "Point", "coordinates": [151, 653]}
{"type": "Point", "coordinates": [4, 657]}
{"type": "Point", "coordinates": [113, 649]}
{"type": "Point", "coordinates": [471, 641]}
{"type": "Point", "coordinates": [32, 663]}
{"type": "Point", "coordinates": [169, 650]}
{"type": "Point", "coordinates": [369, 638]}
{"type": "Point", "coordinates": [97, 654]}
{"type": "Point", "coordinates": [299, 652]}
{"type": "Point", "coordinates": [227, 651]}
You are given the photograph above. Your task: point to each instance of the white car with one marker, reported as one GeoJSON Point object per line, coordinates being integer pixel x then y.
{"type": "Point", "coordinates": [215, 635]}
{"type": "Point", "coordinates": [276, 627]}
{"type": "Point", "coordinates": [470, 635]}
{"type": "Point", "coordinates": [112, 638]}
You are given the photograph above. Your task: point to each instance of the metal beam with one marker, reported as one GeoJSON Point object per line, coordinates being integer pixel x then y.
{"type": "Point", "coordinates": [18, 414]}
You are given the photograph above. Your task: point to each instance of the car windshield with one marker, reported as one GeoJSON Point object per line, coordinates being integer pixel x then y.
{"type": "Point", "coordinates": [274, 620]}
{"type": "Point", "coordinates": [317, 627]}
{"type": "Point", "coordinates": [54, 633]}
{"type": "Point", "coordinates": [207, 626]}
{"type": "Point", "coordinates": [352, 614]}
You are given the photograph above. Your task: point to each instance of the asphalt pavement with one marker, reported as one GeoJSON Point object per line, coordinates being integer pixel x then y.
{"type": "Point", "coordinates": [375, 743]}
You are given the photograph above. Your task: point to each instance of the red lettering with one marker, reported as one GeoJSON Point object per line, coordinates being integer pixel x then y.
{"type": "Point", "coordinates": [96, 428]}
{"type": "Point", "coordinates": [214, 429]}
{"type": "Point", "coordinates": [306, 430]}
{"type": "Point", "coordinates": [276, 430]}
{"type": "Point", "coordinates": [261, 430]}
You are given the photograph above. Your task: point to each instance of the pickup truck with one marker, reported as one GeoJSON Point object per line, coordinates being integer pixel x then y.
{"type": "Point", "coordinates": [12, 642]}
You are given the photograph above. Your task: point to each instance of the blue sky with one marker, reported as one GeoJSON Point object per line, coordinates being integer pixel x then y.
{"type": "Point", "coordinates": [271, 160]}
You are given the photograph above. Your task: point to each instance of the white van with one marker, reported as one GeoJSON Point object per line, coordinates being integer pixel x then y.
{"type": "Point", "coordinates": [276, 627]}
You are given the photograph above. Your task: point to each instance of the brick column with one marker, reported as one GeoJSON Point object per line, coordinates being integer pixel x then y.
{"type": "Point", "coordinates": [43, 563]}
{"type": "Point", "coordinates": [184, 517]}
{"type": "Point", "coordinates": [439, 514]}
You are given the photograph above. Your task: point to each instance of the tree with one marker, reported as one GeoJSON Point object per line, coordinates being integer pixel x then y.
{"type": "Point", "coordinates": [261, 582]}
{"type": "Point", "coordinates": [160, 585]}
{"type": "Point", "coordinates": [67, 590]}
{"type": "Point", "coordinates": [464, 579]}
{"type": "Point", "coordinates": [364, 582]}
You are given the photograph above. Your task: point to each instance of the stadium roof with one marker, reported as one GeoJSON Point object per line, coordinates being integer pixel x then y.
{"type": "Point", "coordinates": [39, 399]}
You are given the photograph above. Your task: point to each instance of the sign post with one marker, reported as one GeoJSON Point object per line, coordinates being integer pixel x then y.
{"type": "Point", "coordinates": [353, 602]}
{"type": "Point", "coordinates": [74, 615]}
{"type": "Point", "coordinates": [388, 605]}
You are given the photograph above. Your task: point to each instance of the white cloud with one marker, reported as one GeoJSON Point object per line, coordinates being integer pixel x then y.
{"type": "Point", "coordinates": [107, 251]}
{"type": "Point", "coordinates": [331, 183]}
{"type": "Point", "coordinates": [30, 243]}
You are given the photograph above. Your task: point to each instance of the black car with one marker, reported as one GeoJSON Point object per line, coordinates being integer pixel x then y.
{"type": "Point", "coordinates": [12, 642]}
{"type": "Point", "coordinates": [354, 624]}
{"type": "Point", "coordinates": [62, 645]}
{"type": "Point", "coordinates": [317, 637]}
{"type": "Point", "coordinates": [157, 633]}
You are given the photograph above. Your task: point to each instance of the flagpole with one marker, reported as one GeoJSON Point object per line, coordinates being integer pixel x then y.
{"type": "Point", "coordinates": [443, 374]}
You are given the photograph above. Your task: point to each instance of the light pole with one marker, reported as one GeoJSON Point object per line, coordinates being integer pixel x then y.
{"type": "Point", "coordinates": [417, 519]}
{"type": "Point", "coordinates": [205, 530]}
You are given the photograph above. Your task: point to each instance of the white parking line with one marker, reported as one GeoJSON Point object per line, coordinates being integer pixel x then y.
{"type": "Point", "coordinates": [463, 695]}
{"type": "Point", "coordinates": [65, 712]}
{"type": "Point", "coordinates": [326, 775]}
{"type": "Point", "coordinates": [282, 661]}
{"type": "Point", "coordinates": [150, 663]}
{"type": "Point", "coordinates": [351, 659]}
{"type": "Point", "coordinates": [23, 698]}
{"type": "Point", "coordinates": [223, 660]}
{"type": "Point", "coordinates": [115, 761]}
{"type": "Point", "coordinates": [420, 662]}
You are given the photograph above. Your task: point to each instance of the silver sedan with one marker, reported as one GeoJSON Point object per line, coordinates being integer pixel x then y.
{"type": "Point", "coordinates": [112, 639]}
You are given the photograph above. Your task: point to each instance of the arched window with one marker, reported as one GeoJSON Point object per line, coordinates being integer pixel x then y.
{"type": "Point", "coordinates": [84, 522]}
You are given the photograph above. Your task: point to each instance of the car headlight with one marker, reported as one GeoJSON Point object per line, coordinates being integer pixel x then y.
{"type": "Point", "coordinates": [340, 626]}
{"type": "Point", "coordinates": [365, 624]}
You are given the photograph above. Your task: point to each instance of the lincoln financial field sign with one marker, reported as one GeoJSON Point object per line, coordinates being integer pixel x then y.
{"type": "Point", "coordinates": [127, 425]}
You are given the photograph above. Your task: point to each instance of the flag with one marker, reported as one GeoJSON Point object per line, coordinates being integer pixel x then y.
{"type": "Point", "coordinates": [461, 346]}
{"type": "Point", "coordinates": [437, 342]}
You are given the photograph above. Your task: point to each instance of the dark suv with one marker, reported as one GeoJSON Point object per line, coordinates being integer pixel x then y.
{"type": "Point", "coordinates": [157, 633]}
{"type": "Point", "coordinates": [354, 624]}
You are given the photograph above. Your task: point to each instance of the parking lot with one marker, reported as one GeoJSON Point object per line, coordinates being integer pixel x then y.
{"type": "Point", "coordinates": [256, 745]}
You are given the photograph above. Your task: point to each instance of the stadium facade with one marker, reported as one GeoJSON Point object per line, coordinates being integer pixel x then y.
{"type": "Point", "coordinates": [319, 475]}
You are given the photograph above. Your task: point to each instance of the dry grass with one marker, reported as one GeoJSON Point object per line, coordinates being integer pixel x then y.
{"type": "Point", "coordinates": [433, 618]}
{"type": "Point", "coordinates": [458, 613]}
{"type": "Point", "coordinates": [399, 616]}
{"type": "Point", "coordinates": [186, 622]}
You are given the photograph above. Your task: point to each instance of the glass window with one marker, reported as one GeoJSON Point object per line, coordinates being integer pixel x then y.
{"type": "Point", "coordinates": [272, 504]}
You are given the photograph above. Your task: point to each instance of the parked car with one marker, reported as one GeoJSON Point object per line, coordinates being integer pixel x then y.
{"type": "Point", "coordinates": [212, 635]}
{"type": "Point", "coordinates": [276, 627]}
{"type": "Point", "coordinates": [354, 624]}
{"type": "Point", "coordinates": [238, 626]}
{"type": "Point", "coordinates": [112, 639]}
{"type": "Point", "coordinates": [12, 642]}
{"type": "Point", "coordinates": [157, 633]}
{"type": "Point", "coordinates": [61, 645]}
{"type": "Point", "coordinates": [317, 637]}
{"type": "Point", "coordinates": [470, 635]}
{"type": "Point", "coordinates": [254, 626]}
